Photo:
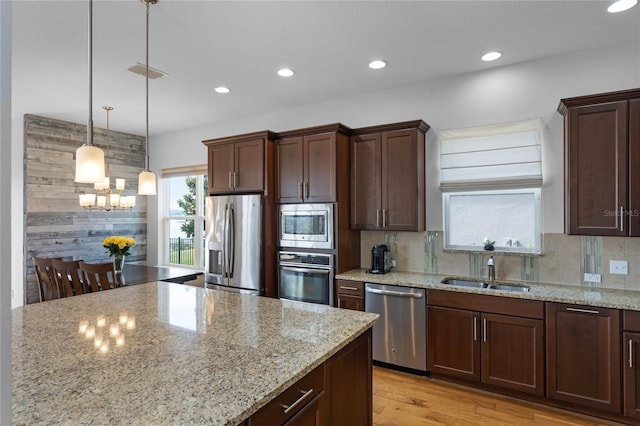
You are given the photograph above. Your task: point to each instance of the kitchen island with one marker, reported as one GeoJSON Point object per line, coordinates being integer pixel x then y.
{"type": "Point", "coordinates": [161, 353]}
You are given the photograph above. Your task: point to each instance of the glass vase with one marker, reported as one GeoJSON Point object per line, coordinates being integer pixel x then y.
{"type": "Point", "coordinates": [118, 263]}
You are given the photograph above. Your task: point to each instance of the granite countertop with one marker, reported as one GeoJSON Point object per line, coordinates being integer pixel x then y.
{"type": "Point", "coordinates": [581, 295]}
{"type": "Point", "coordinates": [187, 355]}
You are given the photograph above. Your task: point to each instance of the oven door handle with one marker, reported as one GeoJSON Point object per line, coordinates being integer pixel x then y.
{"type": "Point", "coordinates": [314, 271]}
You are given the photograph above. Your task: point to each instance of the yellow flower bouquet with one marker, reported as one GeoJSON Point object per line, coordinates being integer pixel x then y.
{"type": "Point", "coordinates": [118, 245]}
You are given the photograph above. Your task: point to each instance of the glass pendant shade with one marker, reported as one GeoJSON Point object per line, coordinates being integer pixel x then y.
{"type": "Point", "coordinates": [146, 183]}
{"type": "Point", "coordinates": [89, 164]}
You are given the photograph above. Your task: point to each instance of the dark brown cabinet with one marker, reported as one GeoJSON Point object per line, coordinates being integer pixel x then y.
{"type": "Point", "coordinates": [237, 164]}
{"type": "Point", "coordinates": [350, 295]}
{"type": "Point", "coordinates": [336, 393]}
{"type": "Point", "coordinates": [602, 162]}
{"type": "Point", "coordinates": [307, 166]}
{"type": "Point", "coordinates": [493, 340]}
{"type": "Point", "coordinates": [387, 177]}
{"type": "Point", "coordinates": [583, 356]}
{"type": "Point", "coordinates": [630, 360]}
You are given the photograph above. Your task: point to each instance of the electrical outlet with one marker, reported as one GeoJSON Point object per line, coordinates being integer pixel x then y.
{"type": "Point", "coordinates": [619, 267]}
{"type": "Point", "coordinates": [393, 263]}
{"type": "Point", "coordinates": [593, 278]}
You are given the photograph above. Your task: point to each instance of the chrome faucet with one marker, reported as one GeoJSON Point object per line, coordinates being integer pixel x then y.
{"type": "Point", "coordinates": [491, 264]}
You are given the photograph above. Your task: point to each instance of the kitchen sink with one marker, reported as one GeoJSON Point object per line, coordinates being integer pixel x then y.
{"type": "Point", "coordinates": [481, 284]}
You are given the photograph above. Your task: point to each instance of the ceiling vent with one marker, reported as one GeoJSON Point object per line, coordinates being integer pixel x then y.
{"type": "Point", "coordinates": [141, 69]}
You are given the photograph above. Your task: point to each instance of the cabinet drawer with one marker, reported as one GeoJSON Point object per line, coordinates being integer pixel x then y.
{"type": "Point", "coordinates": [491, 304]}
{"type": "Point", "coordinates": [351, 288]}
{"type": "Point", "coordinates": [631, 321]}
{"type": "Point", "coordinates": [290, 401]}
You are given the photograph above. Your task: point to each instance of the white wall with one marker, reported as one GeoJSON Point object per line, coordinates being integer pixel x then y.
{"type": "Point", "coordinates": [503, 94]}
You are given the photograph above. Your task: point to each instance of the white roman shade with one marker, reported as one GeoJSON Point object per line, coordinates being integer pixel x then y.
{"type": "Point", "coordinates": [200, 169]}
{"type": "Point", "coordinates": [499, 156]}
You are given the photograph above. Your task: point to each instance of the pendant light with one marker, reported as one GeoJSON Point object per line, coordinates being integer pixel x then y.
{"type": "Point", "coordinates": [147, 179]}
{"type": "Point", "coordinates": [90, 158]}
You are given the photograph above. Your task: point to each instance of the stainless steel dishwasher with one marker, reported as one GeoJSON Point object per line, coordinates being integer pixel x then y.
{"type": "Point", "coordinates": [400, 335]}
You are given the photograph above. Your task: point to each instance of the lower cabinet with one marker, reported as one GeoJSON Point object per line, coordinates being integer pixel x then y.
{"type": "Point", "coordinates": [497, 341]}
{"type": "Point", "coordinates": [350, 295]}
{"type": "Point", "coordinates": [583, 356]}
{"type": "Point", "coordinates": [337, 392]}
{"type": "Point", "coordinates": [631, 363]}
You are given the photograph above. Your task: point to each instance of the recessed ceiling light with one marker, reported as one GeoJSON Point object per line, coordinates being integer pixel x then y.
{"type": "Point", "coordinates": [377, 64]}
{"type": "Point", "coordinates": [491, 56]}
{"type": "Point", "coordinates": [222, 89]}
{"type": "Point", "coordinates": [621, 6]}
{"type": "Point", "coordinates": [285, 72]}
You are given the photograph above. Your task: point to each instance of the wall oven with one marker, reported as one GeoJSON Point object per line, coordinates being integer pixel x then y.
{"type": "Point", "coordinates": [307, 277]}
{"type": "Point", "coordinates": [306, 226]}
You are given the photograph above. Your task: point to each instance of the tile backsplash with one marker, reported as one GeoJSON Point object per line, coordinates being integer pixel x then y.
{"type": "Point", "coordinates": [565, 258]}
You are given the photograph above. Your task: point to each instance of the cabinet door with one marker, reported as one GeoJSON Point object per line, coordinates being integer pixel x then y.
{"type": "Point", "coordinates": [347, 301]}
{"type": "Point", "coordinates": [583, 356]}
{"type": "Point", "coordinates": [311, 415]}
{"type": "Point", "coordinates": [631, 349]}
{"type": "Point", "coordinates": [634, 167]}
{"type": "Point", "coordinates": [319, 168]}
{"type": "Point", "coordinates": [289, 170]}
{"type": "Point", "coordinates": [596, 169]}
{"type": "Point", "coordinates": [453, 343]}
{"type": "Point", "coordinates": [249, 166]}
{"type": "Point", "coordinates": [221, 168]}
{"type": "Point", "coordinates": [513, 353]}
{"type": "Point", "coordinates": [366, 187]}
{"type": "Point", "coordinates": [401, 188]}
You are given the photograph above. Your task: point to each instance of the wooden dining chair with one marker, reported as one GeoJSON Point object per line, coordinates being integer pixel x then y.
{"type": "Point", "coordinates": [67, 275]}
{"type": "Point", "coordinates": [98, 276]}
{"type": "Point", "coordinates": [48, 288]}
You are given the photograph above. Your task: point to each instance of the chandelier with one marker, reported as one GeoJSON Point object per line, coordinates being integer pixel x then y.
{"type": "Point", "coordinates": [105, 199]}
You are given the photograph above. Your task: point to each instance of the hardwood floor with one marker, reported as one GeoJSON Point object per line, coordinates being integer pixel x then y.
{"type": "Point", "coordinates": [401, 399]}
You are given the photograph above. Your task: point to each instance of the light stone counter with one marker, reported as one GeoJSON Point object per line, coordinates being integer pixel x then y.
{"type": "Point", "coordinates": [189, 355]}
{"type": "Point", "coordinates": [581, 295]}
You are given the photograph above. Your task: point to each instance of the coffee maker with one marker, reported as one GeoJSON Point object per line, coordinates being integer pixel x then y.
{"type": "Point", "coordinates": [380, 263]}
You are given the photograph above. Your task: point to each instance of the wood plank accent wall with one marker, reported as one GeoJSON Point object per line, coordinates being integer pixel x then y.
{"type": "Point", "coordinates": [55, 224]}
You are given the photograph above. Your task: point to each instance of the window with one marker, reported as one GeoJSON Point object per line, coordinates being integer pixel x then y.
{"type": "Point", "coordinates": [511, 218]}
{"type": "Point", "coordinates": [490, 177]}
{"type": "Point", "coordinates": [184, 215]}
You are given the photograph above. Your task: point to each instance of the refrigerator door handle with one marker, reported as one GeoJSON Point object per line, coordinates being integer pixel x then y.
{"type": "Point", "coordinates": [232, 240]}
{"type": "Point", "coordinates": [224, 241]}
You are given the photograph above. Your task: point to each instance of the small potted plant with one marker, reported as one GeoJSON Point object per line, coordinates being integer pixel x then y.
{"type": "Point", "coordinates": [489, 245]}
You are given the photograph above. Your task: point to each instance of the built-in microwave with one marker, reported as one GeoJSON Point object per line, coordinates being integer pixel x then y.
{"type": "Point", "coordinates": [306, 225]}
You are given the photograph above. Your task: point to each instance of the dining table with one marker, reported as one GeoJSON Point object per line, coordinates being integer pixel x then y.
{"type": "Point", "coordinates": [133, 274]}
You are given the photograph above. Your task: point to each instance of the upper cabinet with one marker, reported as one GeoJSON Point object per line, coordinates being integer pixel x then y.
{"type": "Point", "coordinates": [602, 163]}
{"type": "Point", "coordinates": [388, 177]}
{"type": "Point", "coordinates": [237, 164]}
{"type": "Point", "coordinates": [307, 164]}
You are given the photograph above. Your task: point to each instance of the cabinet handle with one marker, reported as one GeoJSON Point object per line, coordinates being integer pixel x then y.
{"type": "Point", "coordinates": [475, 333]}
{"type": "Point", "coordinates": [377, 218]}
{"type": "Point", "coordinates": [348, 288]}
{"type": "Point", "coordinates": [230, 180]}
{"type": "Point", "coordinates": [484, 330]}
{"type": "Point", "coordinates": [305, 192]}
{"type": "Point", "coordinates": [621, 219]}
{"type": "Point", "coordinates": [300, 190]}
{"type": "Point", "coordinates": [235, 185]}
{"type": "Point", "coordinates": [630, 353]}
{"type": "Point", "coordinates": [384, 218]}
{"type": "Point", "coordinates": [305, 394]}
{"type": "Point", "coordinates": [583, 311]}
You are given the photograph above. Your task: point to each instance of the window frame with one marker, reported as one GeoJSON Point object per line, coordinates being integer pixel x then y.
{"type": "Point", "coordinates": [536, 192]}
{"type": "Point", "coordinates": [199, 221]}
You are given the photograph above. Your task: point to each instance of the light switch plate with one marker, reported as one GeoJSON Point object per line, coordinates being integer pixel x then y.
{"type": "Point", "coordinates": [619, 267]}
{"type": "Point", "coordinates": [593, 278]}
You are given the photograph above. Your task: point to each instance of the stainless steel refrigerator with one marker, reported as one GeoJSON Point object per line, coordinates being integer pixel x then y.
{"type": "Point", "coordinates": [234, 243]}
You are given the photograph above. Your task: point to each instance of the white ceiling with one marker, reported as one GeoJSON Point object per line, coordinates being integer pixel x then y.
{"type": "Point", "coordinates": [241, 44]}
